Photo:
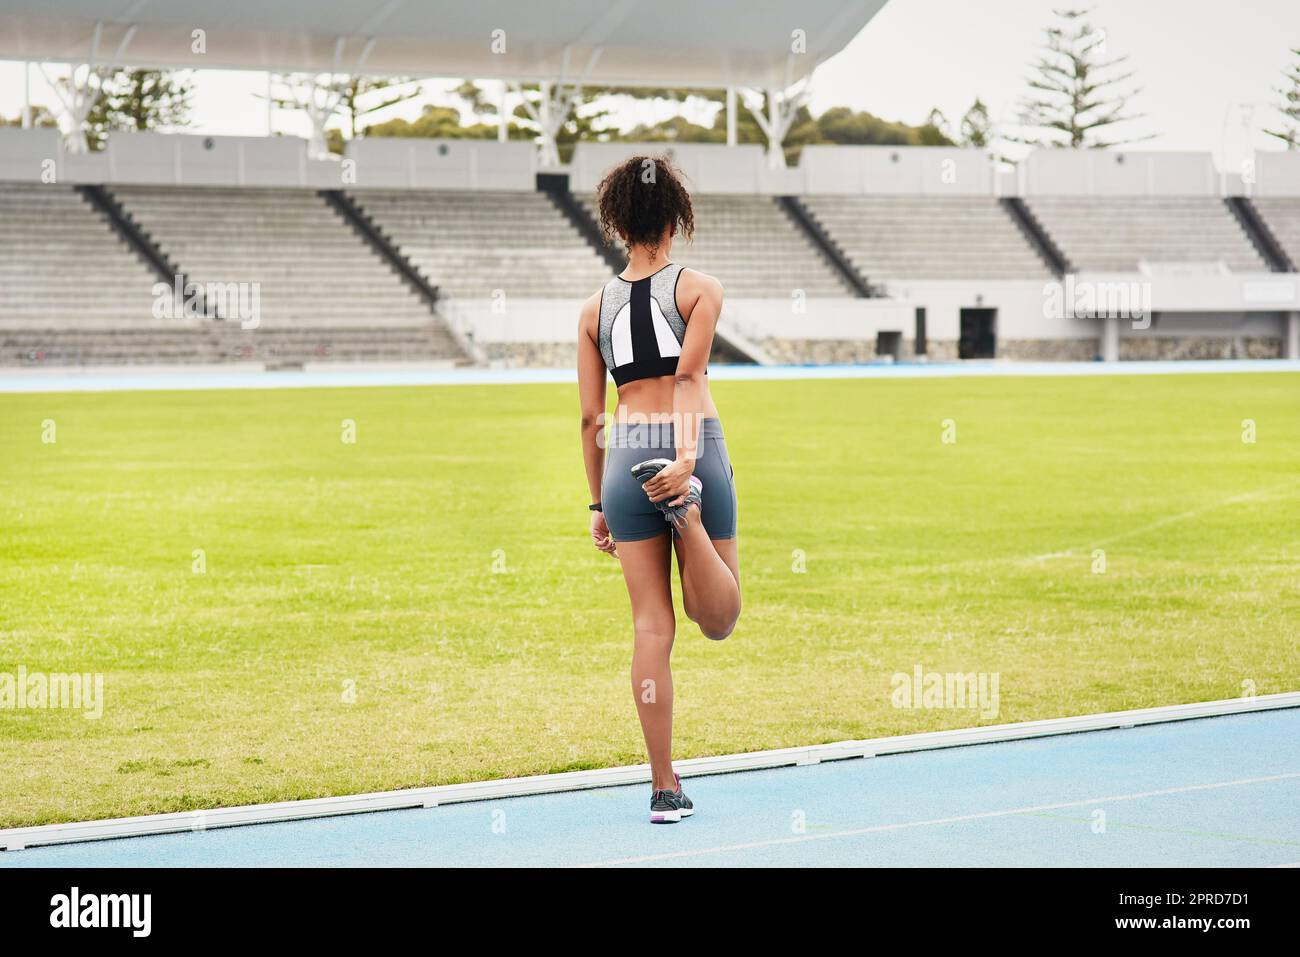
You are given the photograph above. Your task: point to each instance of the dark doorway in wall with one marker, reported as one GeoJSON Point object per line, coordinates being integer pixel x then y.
{"type": "Point", "coordinates": [889, 344]}
{"type": "Point", "coordinates": [978, 334]}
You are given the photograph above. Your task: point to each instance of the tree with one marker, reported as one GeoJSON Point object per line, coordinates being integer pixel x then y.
{"type": "Point", "coordinates": [677, 129]}
{"type": "Point", "coordinates": [1290, 108]}
{"type": "Point", "coordinates": [41, 116]}
{"type": "Point", "coordinates": [321, 95]}
{"type": "Point", "coordinates": [435, 122]}
{"type": "Point", "coordinates": [357, 89]}
{"type": "Point", "coordinates": [1075, 96]}
{"type": "Point", "coordinates": [140, 100]}
{"type": "Point", "coordinates": [583, 121]}
{"type": "Point", "coordinates": [936, 120]}
{"type": "Point", "coordinates": [977, 127]}
{"type": "Point", "coordinates": [839, 124]}
{"type": "Point", "coordinates": [588, 120]}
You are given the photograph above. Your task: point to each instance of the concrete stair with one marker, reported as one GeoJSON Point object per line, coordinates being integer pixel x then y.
{"type": "Point", "coordinates": [479, 244]}
{"type": "Point", "coordinates": [753, 248]}
{"type": "Point", "coordinates": [1282, 216]}
{"type": "Point", "coordinates": [927, 237]}
{"type": "Point", "coordinates": [61, 263]}
{"type": "Point", "coordinates": [213, 343]}
{"type": "Point", "coordinates": [310, 268]}
{"type": "Point", "coordinates": [1116, 233]}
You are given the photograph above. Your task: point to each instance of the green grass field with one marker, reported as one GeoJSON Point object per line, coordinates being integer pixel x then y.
{"type": "Point", "coordinates": [424, 607]}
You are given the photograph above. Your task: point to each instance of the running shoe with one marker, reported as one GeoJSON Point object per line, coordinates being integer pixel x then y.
{"type": "Point", "coordinates": [645, 471]}
{"type": "Point", "coordinates": [677, 515]}
{"type": "Point", "coordinates": [669, 807]}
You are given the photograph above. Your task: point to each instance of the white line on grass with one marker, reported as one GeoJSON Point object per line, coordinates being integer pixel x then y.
{"type": "Point", "coordinates": [1169, 520]}
{"type": "Point", "coordinates": [983, 815]}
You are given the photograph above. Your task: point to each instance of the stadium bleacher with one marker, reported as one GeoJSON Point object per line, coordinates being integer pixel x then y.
{"type": "Point", "coordinates": [752, 245]}
{"type": "Point", "coordinates": [1282, 214]}
{"type": "Point", "coordinates": [344, 272]}
{"type": "Point", "coordinates": [62, 266]}
{"type": "Point", "coordinates": [312, 270]}
{"type": "Point", "coordinates": [928, 237]}
{"type": "Point", "coordinates": [1118, 233]}
{"type": "Point", "coordinates": [471, 243]}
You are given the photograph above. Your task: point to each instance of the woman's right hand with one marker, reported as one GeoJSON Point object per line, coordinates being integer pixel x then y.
{"type": "Point", "coordinates": [600, 536]}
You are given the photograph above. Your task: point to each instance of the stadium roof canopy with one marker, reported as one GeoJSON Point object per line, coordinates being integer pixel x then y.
{"type": "Point", "coordinates": [699, 43]}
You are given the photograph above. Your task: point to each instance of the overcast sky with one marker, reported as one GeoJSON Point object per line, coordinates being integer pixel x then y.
{"type": "Point", "coordinates": [1208, 69]}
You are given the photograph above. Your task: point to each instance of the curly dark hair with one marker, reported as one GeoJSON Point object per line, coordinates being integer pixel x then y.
{"type": "Point", "coordinates": [640, 198]}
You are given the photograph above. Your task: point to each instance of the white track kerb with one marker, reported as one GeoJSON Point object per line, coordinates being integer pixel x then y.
{"type": "Point", "coordinates": [14, 839]}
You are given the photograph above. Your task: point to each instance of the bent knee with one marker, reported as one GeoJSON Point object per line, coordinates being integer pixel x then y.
{"type": "Point", "coordinates": [717, 629]}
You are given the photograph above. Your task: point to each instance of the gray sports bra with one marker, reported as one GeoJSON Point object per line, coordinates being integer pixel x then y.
{"type": "Point", "coordinates": [641, 331]}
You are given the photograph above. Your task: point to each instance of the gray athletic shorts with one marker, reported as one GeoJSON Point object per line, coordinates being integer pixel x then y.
{"type": "Point", "coordinates": [630, 514]}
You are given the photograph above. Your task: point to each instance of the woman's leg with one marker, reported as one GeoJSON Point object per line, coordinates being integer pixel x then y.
{"type": "Point", "coordinates": [710, 574]}
{"type": "Point", "coordinates": [646, 568]}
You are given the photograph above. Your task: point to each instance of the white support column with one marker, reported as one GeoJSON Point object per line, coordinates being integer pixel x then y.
{"type": "Point", "coordinates": [556, 102]}
{"type": "Point", "coordinates": [550, 152]}
{"type": "Point", "coordinates": [76, 101]}
{"type": "Point", "coordinates": [324, 93]}
{"type": "Point", "coordinates": [731, 116]}
{"type": "Point", "coordinates": [1292, 335]}
{"type": "Point", "coordinates": [1110, 339]}
{"type": "Point", "coordinates": [775, 122]}
{"type": "Point", "coordinates": [81, 95]}
{"type": "Point", "coordinates": [319, 112]}
{"type": "Point", "coordinates": [318, 96]}
{"type": "Point", "coordinates": [776, 131]}
{"type": "Point", "coordinates": [552, 110]}
{"type": "Point", "coordinates": [27, 95]}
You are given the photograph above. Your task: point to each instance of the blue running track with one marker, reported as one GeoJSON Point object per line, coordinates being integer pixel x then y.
{"type": "Point", "coordinates": [1209, 792]}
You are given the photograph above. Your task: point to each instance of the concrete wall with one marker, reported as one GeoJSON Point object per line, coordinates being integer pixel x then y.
{"type": "Point", "coordinates": [1206, 336]}
{"type": "Point", "coordinates": [410, 163]}
{"type": "Point", "coordinates": [514, 320]}
{"type": "Point", "coordinates": [188, 160]}
{"type": "Point", "coordinates": [817, 319]}
{"type": "Point", "coordinates": [1226, 293]}
{"type": "Point", "coordinates": [897, 169]}
{"type": "Point", "coordinates": [1023, 305]}
{"type": "Point", "coordinates": [1277, 173]}
{"type": "Point", "coordinates": [29, 155]}
{"type": "Point", "coordinates": [708, 167]}
{"type": "Point", "coordinates": [163, 159]}
{"type": "Point", "coordinates": [1117, 173]}
{"type": "Point", "coordinates": [713, 168]}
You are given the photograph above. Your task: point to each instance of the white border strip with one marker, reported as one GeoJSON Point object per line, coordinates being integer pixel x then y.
{"type": "Point", "coordinates": [14, 839]}
{"type": "Point", "coordinates": [345, 375]}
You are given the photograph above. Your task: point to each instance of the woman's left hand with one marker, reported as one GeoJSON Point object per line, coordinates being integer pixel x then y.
{"type": "Point", "coordinates": [672, 482]}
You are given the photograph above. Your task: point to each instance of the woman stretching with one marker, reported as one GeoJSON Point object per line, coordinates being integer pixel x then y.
{"type": "Point", "coordinates": [666, 477]}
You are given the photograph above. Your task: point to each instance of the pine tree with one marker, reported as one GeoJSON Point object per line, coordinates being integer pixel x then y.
{"type": "Point", "coordinates": [1075, 96]}
{"type": "Point", "coordinates": [977, 127]}
{"type": "Point", "coordinates": [140, 100]}
{"type": "Point", "coordinates": [1290, 108]}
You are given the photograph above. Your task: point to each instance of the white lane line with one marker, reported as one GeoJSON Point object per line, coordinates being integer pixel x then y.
{"type": "Point", "coordinates": [880, 828]}
{"type": "Point", "coordinates": [327, 375]}
{"type": "Point", "coordinates": [1169, 520]}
